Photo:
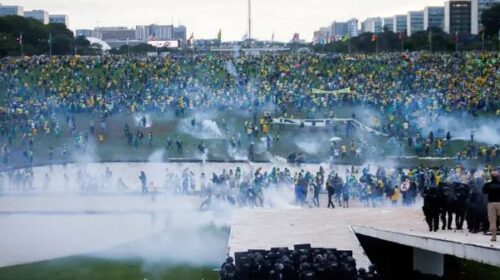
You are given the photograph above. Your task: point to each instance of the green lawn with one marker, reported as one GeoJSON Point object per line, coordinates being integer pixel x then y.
{"type": "Point", "coordinates": [132, 261]}
{"type": "Point", "coordinates": [104, 269]}
{"type": "Point", "coordinates": [292, 139]}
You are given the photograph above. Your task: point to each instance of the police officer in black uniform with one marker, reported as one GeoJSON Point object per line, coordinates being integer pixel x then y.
{"type": "Point", "coordinates": [447, 198]}
{"type": "Point", "coordinates": [462, 194]}
{"type": "Point", "coordinates": [228, 270]}
{"type": "Point", "coordinates": [431, 207]}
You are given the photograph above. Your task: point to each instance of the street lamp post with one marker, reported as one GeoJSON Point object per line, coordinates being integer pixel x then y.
{"type": "Point", "coordinates": [50, 44]}
{"type": "Point", "coordinates": [21, 44]}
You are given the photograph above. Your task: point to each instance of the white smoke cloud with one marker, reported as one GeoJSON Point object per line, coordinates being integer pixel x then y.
{"type": "Point", "coordinates": [206, 129]}
{"type": "Point", "coordinates": [157, 156]}
{"type": "Point", "coordinates": [485, 130]}
{"type": "Point", "coordinates": [281, 197]}
{"type": "Point", "coordinates": [138, 120]}
{"type": "Point", "coordinates": [310, 147]}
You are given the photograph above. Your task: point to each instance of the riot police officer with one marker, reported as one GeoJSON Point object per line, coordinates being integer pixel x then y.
{"type": "Point", "coordinates": [431, 207]}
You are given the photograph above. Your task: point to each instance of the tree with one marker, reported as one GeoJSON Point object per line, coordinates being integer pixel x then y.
{"type": "Point", "coordinates": [62, 39]}
{"type": "Point", "coordinates": [36, 37]}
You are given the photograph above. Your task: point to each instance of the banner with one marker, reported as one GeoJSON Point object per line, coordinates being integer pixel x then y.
{"type": "Point", "coordinates": [164, 44]}
{"type": "Point", "coordinates": [326, 123]}
{"type": "Point", "coordinates": [319, 91]}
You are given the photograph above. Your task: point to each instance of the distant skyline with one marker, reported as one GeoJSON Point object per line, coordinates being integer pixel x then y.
{"type": "Point", "coordinates": [206, 17]}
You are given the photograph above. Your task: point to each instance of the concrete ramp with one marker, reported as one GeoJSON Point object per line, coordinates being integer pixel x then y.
{"type": "Point", "coordinates": [475, 247]}
{"type": "Point", "coordinates": [337, 228]}
{"type": "Point", "coordinates": [264, 229]}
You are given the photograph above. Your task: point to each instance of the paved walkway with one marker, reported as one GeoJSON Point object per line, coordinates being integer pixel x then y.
{"type": "Point", "coordinates": [263, 229]}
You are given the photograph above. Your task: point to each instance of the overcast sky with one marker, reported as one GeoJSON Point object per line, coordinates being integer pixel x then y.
{"type": "Point", "coordinates": [206, 17]}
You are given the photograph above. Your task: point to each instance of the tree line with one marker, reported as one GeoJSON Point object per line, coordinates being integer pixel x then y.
{"type": "Point", "coordinates": [27, 36]}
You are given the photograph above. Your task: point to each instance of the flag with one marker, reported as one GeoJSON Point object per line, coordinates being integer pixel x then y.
{"type": "Point", "coordinates": [219, 35]}
{"type": "Point", "coordinates": [482, 36]}
{"type": "Point", "coordinates": [457, 37]}
{"type": "Point", "coordinates": [50, 38]}
{"type": "Point", "coordinates": [335, 92]}
{"type": "Point", "coordinates": [20, 39]}
{"type": "Point", "coordinates": [430, 36]}
{"type": "Point", "coordinates": [346, 37]}
{"type": "Point", "coordinates": [374, 37]}
{"type": "Point", "coordinates": [191, 39]}
{"type": "Point", "coordinates": [400, 35]}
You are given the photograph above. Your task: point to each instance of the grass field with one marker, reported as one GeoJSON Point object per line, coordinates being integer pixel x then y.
{"type": "Point", "coordinates": [82, 267]}
{"type": "Point", "coordinates": [133, 261]}
{"type": "Point", "coordinates": [312, 141]}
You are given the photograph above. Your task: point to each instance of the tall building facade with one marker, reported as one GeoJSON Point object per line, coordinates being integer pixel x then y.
{"type": "Point", "coordinates": [323, 35]}
{"type": "Point", "coordinates": [180, 33]}
{"type": "Point", "coordinates": [352, 26]}
{"type": "Point", "coordinates": [339, 29]}
{"type": "Point", "coordinates": [118, 33]}
{"type": "Point", "coordinates": [373, 25]}
{"type": "Point", "coordinates": [388, 23]}
{"type": "Point", "coordinates": [61, 19]}
{"type": "Point", "coordinates": [477, 9]}
{"type": "Point", "coordinates": [11, 11]}
{"type": "Point", "coordinates": [84, 32]}
{"type": "Point", "coordinates": [458, 17]}
{"type": "Point", "coordinates": [399, 24]}
{"type": "Point", "coordinates": [434, 17]}
{"type": "Point", "coordinates": [40, 15]}
{"type": "Point", "coordinates": [414, 22]}
{"type": "Point", "coordinates": [158, 32]}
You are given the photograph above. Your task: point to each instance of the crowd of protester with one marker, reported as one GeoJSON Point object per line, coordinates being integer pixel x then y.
{"type": "Point", "coordinates": [417, 83]}
{"type": "Point", "coordinates": [373, 188]}
{"type": "Point", "coordinates": [404, 89]}
{"type": "Point", "coordinates": [451, 196]}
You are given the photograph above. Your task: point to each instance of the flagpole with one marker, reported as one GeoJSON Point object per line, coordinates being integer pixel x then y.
{"type": "Point", "coordinates": [21, 43]}
{"type": "Point", "coordinates": [482, 41]}
{"type": "Point", "coordinates": [250, 20]}
{"type": "Point", "coordinates": [50, 44]}
{"type": "Point", "coordinates": [349, 44]}
{"type": "Point", "coordinates": [430, 41]}
{"type": "Point", "coordinates": [402, 42]}
{"type": "Point", "coordinates": [128, 48]}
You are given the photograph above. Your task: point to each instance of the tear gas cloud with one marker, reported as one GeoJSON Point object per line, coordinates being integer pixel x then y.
{"type": "Point", "coordinates": [169, 227]}
{"type": "Point", "coordinates": [485, 130]}
{"type": "Point", "coordinates": [157, 156]}
{"type": "Point", "coordinates": [143, 120]}
{"type": "Point", "coordinates": [311, 146]}
{"type": "Point", "coordinates": [204, 129]}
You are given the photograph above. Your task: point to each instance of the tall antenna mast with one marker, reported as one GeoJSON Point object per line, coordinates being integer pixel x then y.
{"type": "Point", "coordinates": [250, 20]}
